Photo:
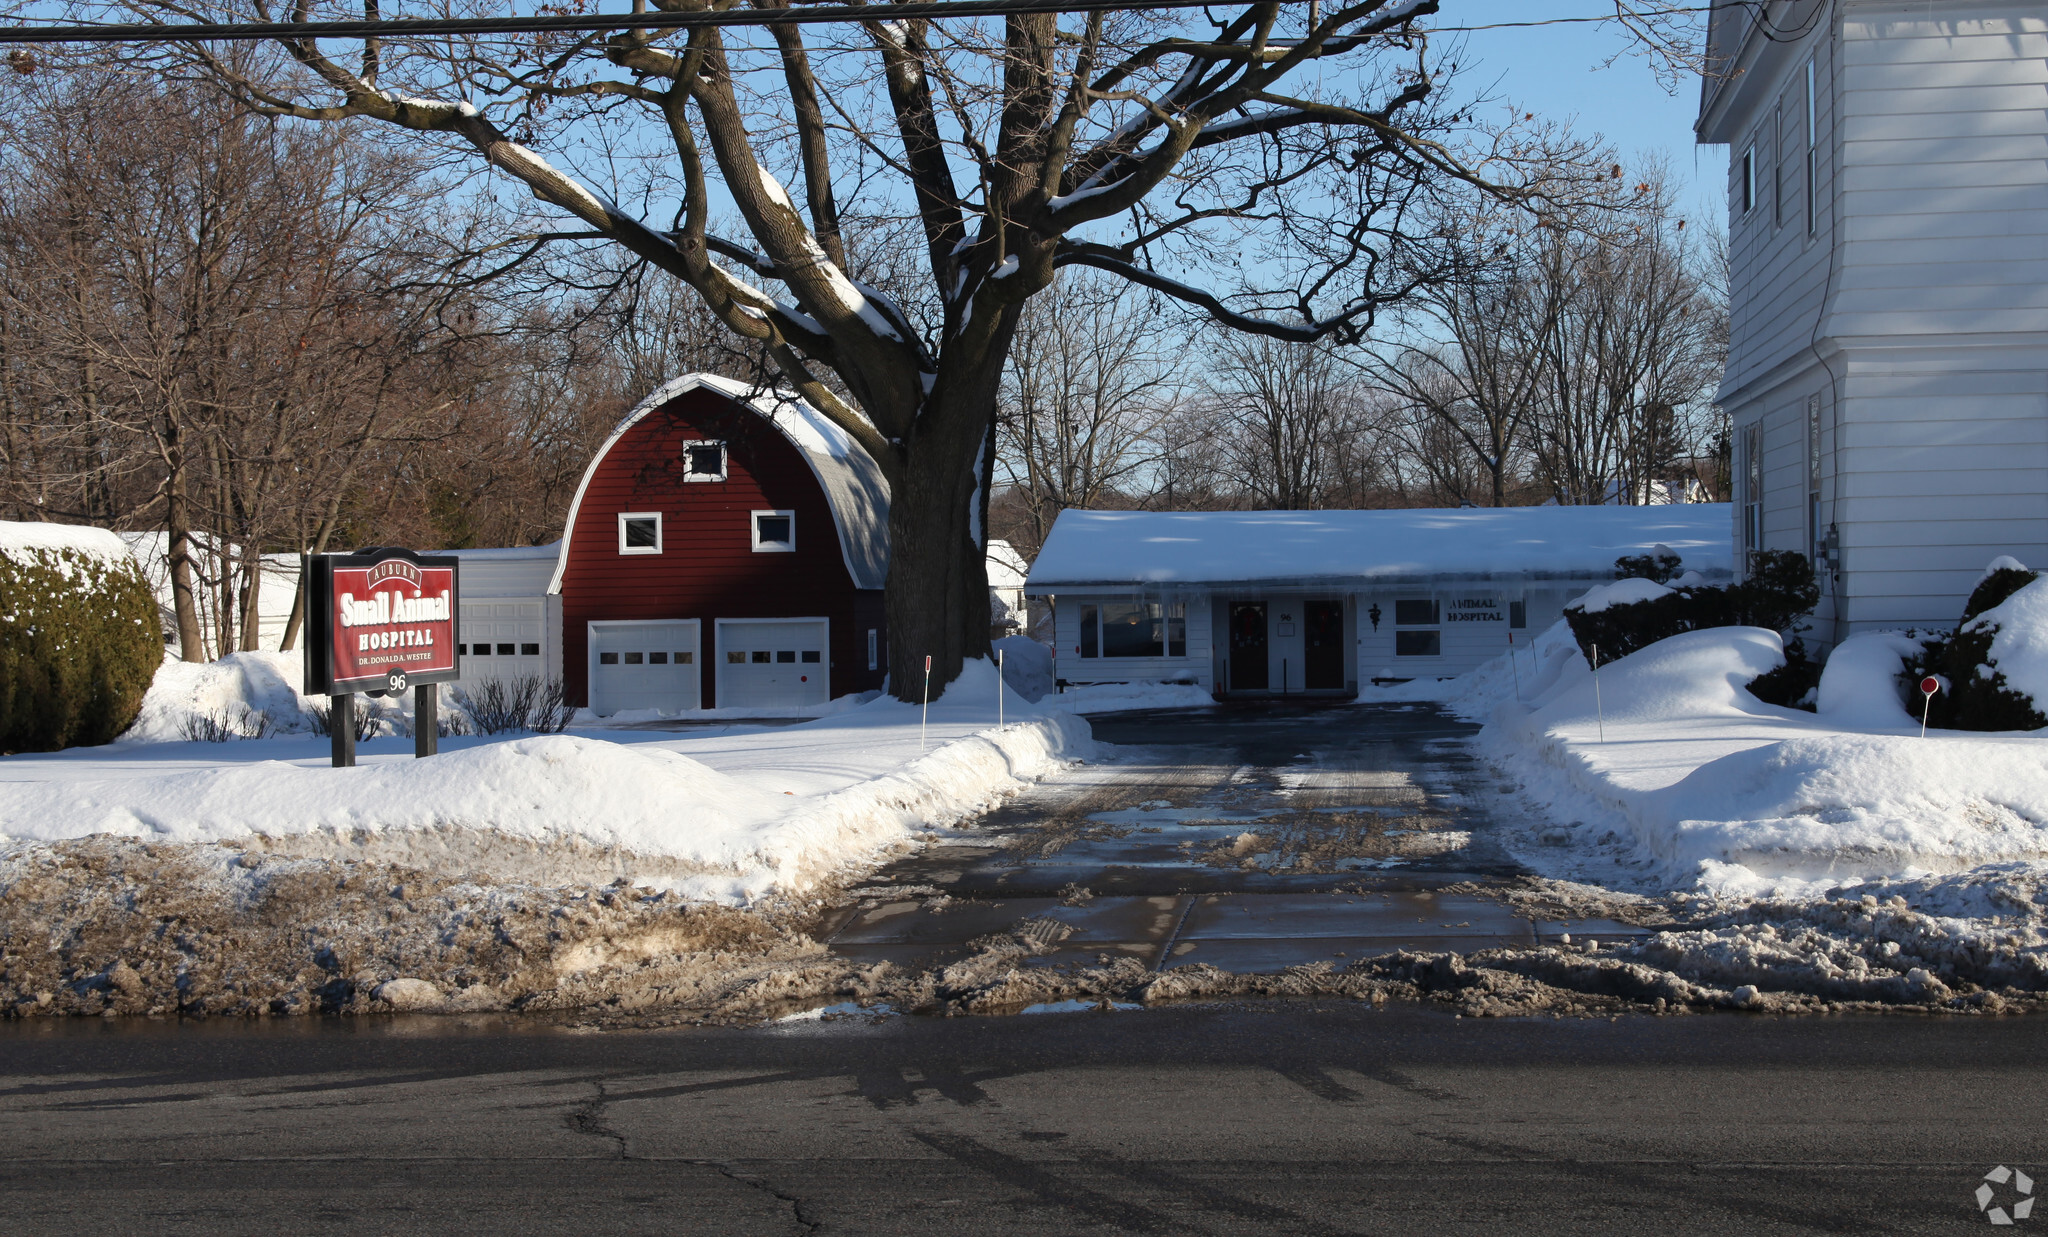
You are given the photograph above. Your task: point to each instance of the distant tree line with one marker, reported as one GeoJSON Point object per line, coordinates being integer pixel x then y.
{"type": "Point", "coordinates": [1575, 363]}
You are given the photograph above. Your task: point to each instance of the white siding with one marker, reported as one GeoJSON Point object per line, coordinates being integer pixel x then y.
{"type": "Point", "coordinates": [1071, 666]}
{"type": "Point", "coordinates": [1931, 349]}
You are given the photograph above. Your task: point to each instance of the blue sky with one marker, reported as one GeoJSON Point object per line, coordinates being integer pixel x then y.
{"type": "Point", "coordinates": [1556, 71]}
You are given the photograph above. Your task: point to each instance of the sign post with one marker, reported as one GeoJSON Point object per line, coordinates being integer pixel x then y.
{"type": "Point", "coordinates": [379, 621]}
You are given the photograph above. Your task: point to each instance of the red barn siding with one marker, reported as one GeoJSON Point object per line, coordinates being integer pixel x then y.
{"type": "Point", "coordinates": [708, 568]}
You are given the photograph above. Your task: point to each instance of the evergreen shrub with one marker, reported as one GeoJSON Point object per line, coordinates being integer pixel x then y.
{"type": "Point", "coordinates": [80, 640]}
{"type": "Point", "coordinates": [1779, 592]}
{"type": "Point", "coordinates": [1977, 696]}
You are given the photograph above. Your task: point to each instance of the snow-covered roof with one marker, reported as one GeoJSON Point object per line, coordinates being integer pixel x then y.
{"type": "Point", "coordinates": [17, 538]}
{"type": "Point", "coordinates": [1122, 548]}
{"type": "Point", "coordinates": [852, 481]}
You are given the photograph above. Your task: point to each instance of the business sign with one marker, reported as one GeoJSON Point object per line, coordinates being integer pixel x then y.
{"type": "Point", "coordinates": [1474, 610]}
{"type": "Point", "coordinates": [380, 620]}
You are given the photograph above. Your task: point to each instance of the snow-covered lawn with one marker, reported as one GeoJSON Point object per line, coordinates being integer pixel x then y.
{"type": "Point", "coordinates": [729, 815]}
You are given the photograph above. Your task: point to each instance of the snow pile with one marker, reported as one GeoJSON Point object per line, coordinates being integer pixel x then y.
{"type": "Point", "coordinates": [249, 692]}
{"type": "Point", "coordinates": [1859, 687]}
{"type": "Point", "coordinates": [23, 541]}
{"type": "Point", "coordinates": [1027, 667]}
{"type": "Point", "coordinates": [2019, 645]}
{"type": "Point", "coordinates": [729, 817]}
{"type": "Point", "coordinates": [1698, 782]}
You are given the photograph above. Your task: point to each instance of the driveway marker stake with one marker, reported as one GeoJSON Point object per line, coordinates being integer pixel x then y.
{"type": "Point", "coordinates": [999, 689]}
{"type": "Point", "coordinates": [1600, 710]}
{"type": "Point", "coordinates": [925, 718]}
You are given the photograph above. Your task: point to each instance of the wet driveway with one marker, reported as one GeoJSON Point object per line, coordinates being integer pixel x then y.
{"type": "Point", "coordinates": [1251, 838]}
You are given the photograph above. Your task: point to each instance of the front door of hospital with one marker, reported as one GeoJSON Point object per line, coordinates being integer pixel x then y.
{"type": "Point", "coordinates": [1248, 671]}
{"type": "Point", "coordinates": [1323, 662]}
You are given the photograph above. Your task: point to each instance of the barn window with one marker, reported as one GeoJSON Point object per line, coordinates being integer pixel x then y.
{"type": "Point", "coordinates": [639, 532]}
{"type": "Point", "coordinates": [704, 461]}
{"type": "Point", "coordinates": [774, 531]}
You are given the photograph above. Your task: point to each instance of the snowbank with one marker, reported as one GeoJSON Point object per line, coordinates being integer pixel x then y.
{"type": "Point", "coordinates": [1127, 697]}
{"type": "Point", "coordinates": [730, 817]}
{"type": "Point", "coordinates": [1629, 592]}
{"type": "Point", "coordinates": [1027, 667]}
{"type": "Point", "coordinates": [1859, 687]}
{"type": "Point", "coordinates": [233, 690]}
{"type": "Point", "coordinates": [1697, 783]}
{"type": "Point", "coordinates": [21, 540]}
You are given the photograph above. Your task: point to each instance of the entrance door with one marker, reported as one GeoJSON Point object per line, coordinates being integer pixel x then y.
{"type": "Point", "coordinates": [1323, 664]}
{"type": "Point", "coordinates": [772, 663]}
{"type": "Point", "coordinates": [643, 665]}
{"type": "Point", "coordinates": [1248, 671]}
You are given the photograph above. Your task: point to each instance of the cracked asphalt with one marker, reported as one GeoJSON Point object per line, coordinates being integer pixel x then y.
{"type": "Point", "coordinates": [1319, 1118]}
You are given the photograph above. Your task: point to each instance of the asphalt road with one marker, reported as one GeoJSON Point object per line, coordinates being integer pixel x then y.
{"type": "Point", "coordinates": [1251, 1119]}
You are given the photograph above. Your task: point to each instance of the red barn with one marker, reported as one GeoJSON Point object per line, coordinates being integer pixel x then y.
{"type": "Point", "coordinates": [727, 547]}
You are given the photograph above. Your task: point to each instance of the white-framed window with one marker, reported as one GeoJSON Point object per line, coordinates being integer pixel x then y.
{"type": "Point", "coordinates": [639, 532]}
{"type": "Point", "coordinates": [1752, 488]}
{"type": "Point", "coordinates": [1747, 188]}
{"type": "Point", "coordinates": [704, 461]}
{"type": "Point", "coordinates": [1134, 629]}
{"type": "Point", "coordinates": [774, 532]}
{"type": "Point", "coordinates": [1812, 161]}
{"type": "Point", "coordinates": [1418, 627]}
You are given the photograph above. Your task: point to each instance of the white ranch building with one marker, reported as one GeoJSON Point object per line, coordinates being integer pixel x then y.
{"type": "Point", "coordinates": [1258, 603]}
{"type": "Point", "coordinates": [1888, 245]}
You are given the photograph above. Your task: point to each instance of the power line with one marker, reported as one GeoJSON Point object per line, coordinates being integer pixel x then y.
{"type": "Point", "coordinates": [922, 10]}
{"type": "Point", "coordinates": [168, 32]}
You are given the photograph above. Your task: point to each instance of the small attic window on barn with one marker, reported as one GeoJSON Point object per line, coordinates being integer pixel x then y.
{"type": "Point", "coordinates": [774, 532]}
{"type": "Point", "coordinates": [704, 461]}
{"type": "Point", "coordinates": [639, 532]}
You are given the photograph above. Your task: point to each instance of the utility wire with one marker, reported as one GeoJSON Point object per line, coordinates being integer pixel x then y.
{"type": "Point", "coordinates": [921, 10]}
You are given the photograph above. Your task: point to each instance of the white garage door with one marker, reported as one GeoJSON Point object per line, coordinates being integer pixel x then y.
{"type": "Point", "coordinates": [501, 639]}
{"type": "Point", "coordinates": [772, 663]}
{"type": "Point", "coordinates": [644, 665]}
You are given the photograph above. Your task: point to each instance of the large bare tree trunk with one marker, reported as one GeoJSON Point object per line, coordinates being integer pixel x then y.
{"type": "Point", "coordinates": [178, 558]}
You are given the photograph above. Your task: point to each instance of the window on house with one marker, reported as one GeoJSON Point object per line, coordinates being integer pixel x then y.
{"type": "Point", "coordinates": [1812, 162]}
{"type": "Point", "coordinates": [1779, 152]}
{"type": "Point", "coordinates": [1518, 614]}
{"type": "Point", "coordinates": [704, 461]}
{"type": "Point", "coordinates": [1752, 487]}
{"type": "Point", "coordinates": [657, 659]}
{"type": "Point", "coordinates": [639, 532]}
{"type": "Point", "coordinates": [774, 532]}
{"type": "Point", "coordinates": [1748, 179]}
{"type": "Point", "coordinates": [1134, 629]}
{"type": "Point", "coordinates": [686, 659]}
{"type": "Point", "coordinates": [785, 655]}
{"type": "Point", "coordinates": [607, 659]}
{"type": "Point", "coordinates": [633, 659]}
{"type": "Point", "coordinates": [504, 650]}
{"type": "Point", "coordinates": [1411, 614]}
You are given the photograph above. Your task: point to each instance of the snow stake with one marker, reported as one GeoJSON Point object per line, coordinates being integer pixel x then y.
{"type": "Point", "coordinates": [926, 716]}
{"type": "Point", "coordinates": [999, 689]}
{"type": "Point", "coordinates": [1599, 709]}
{"type": "Point", "coordinates": [1928, 686]}
{"type": "Point", "coordinates": [1514, 665]}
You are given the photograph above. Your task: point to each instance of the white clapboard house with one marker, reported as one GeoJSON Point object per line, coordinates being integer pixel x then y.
{"type": "Point", "coordinates": [1887, 373]}
{"type": "Point", "coordinates": [1271, 603]}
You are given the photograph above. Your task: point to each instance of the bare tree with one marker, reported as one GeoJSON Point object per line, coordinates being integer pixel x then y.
{"type": "Point", "coordinates": [1092, 378]}
{"type": "Point", "coordinates": [1146, 146]}
{"type": "Point", "coordinates": [1282, 417]}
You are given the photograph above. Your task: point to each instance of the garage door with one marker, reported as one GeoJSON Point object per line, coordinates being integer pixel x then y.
{"type": "Point", "coordinates": [501, 639]}
{"type": "Point", "coordinates": [772, 664]}
{"type": "Point", "coordinates": [644, 665]}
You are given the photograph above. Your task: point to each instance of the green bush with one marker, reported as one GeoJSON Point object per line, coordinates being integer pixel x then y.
{"type": "Point", "coordinates": [1978, 696]}
{"type": "Point", "coordinates": [79, 644]}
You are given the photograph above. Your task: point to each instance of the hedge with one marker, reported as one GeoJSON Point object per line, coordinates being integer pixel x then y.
{"type": "Point", "coordinates": [1978, 697]}
{"type": "Point", "coordinates": [80, 641]}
